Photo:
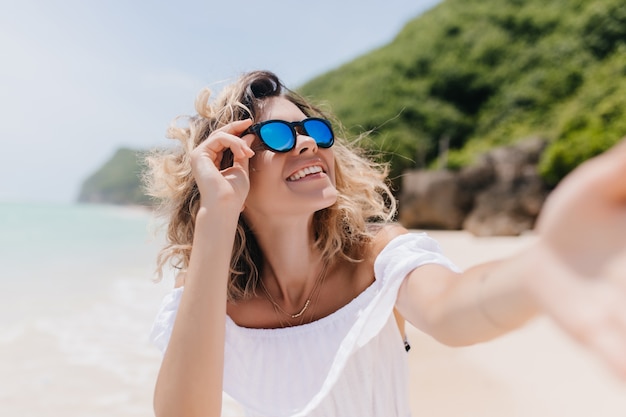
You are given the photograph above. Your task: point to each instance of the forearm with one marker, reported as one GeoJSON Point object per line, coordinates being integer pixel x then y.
{"type": "Point", "coordinates": [190, 378]}
{"type": "Point", "coordinates": [480, 304]}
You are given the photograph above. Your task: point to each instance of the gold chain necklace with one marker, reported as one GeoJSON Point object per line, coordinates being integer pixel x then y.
{"type": "Point", "coordinates": [308, 300]}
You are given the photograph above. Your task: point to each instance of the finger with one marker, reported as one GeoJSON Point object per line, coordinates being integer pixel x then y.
{"type": "Point", "coordinates": [619, 148]}
{"type": "Point", "coordinates": [605, 173]}
{"type": "Point", "coordinates": [243, 163]}
{"type": "Point", "coordinates": [249, 138]}
{"type": "Point", "coordinates": [219, 141]}
{"type": "Point", "coordinates": [243, 160]}
{"type": "Point", "coordinates": [236, 128]}
{"type": "Point", "coordinates": [615, 160]}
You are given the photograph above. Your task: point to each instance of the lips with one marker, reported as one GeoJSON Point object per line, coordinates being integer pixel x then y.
{"type": "Point", "coordinates": [315, 169]}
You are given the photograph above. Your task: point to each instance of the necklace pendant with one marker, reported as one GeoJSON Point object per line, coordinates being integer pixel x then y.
{"type": "Point", "coordinates": [301, 312]}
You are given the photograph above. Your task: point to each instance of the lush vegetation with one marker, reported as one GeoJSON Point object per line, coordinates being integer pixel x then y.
{"type": "Point", "coordinates": [466, 76]}
{"type": "Point", "coordinates": [472, 74]}
{"type": "Point", "coordinates": [117, 181]}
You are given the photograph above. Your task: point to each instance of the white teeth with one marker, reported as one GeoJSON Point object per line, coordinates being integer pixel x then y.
{"type": "Point", "coordinates": [304, 172]}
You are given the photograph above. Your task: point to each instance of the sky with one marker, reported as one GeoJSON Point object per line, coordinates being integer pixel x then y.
{"type": "Point", "coordinates": [82, 78]}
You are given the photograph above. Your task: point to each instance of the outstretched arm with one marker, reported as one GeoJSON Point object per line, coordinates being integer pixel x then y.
{"type": "Point", "coordinates": [461, 309]}
{"type": "Point", "coordinates": [576, 272]}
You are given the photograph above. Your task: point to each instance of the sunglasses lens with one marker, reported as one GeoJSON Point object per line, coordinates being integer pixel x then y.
{"type": "Point", "coordinates": [277, 136]}
{"type": "Point", "coordinates": [320, 131]}
{"type": "Point", "coordinates": [280, 136]}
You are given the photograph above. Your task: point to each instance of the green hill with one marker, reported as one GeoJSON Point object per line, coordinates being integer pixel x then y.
{"type": "Point", "coordinates": [480, 73]}
{"type": "Point", "coordinates": [471, 75]}
{"type": "Point", "coordinates": [116, 182]}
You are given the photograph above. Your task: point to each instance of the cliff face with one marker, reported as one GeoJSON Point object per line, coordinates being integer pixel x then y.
{"type": "Point", "coordinates": [118, 181]}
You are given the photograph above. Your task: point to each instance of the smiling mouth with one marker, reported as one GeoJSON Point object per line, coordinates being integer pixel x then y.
{"type": "Point", "coordinates": [305, 172]}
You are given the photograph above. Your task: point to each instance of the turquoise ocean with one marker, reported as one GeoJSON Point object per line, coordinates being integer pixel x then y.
{"type": "Point", "coordinates": [77, 302]}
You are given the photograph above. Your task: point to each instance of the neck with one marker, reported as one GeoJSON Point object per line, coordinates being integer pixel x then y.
{"type": "Point", "coordinates": [292, 265]}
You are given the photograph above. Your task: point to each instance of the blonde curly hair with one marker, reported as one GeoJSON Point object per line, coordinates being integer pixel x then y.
{"type": "Point", "coordinates": [343, 229]}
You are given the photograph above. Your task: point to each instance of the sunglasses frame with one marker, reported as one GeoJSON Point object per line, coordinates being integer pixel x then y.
{"type": "Point", "coordinates": [256, 130]}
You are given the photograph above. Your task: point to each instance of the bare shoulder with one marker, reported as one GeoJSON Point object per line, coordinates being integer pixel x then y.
{"type": "Point", "coordinates": [383, 236]}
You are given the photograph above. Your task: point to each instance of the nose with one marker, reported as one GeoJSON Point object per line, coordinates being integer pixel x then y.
{"type": "Point", "coordinates": [305, 144]}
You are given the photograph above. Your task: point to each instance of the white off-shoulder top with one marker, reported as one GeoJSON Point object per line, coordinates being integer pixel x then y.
{"type": "Point", "coordinates": [351, 363]}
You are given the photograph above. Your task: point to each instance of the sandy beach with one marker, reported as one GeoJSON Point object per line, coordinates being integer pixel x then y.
{"type": "Point", "coordinates": [85, 351]}
{"type": "Point", "coordinates": [536, 371]}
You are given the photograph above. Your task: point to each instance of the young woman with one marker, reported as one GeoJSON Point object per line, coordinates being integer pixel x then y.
{"type": "Point", "coordinates": [290, 266]}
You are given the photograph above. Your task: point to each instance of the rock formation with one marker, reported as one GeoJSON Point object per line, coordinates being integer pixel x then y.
{"type": "Point", "coordinates": [501, 194]}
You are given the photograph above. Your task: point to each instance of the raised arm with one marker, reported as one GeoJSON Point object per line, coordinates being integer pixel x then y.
{"type": "Point", "coordinates": [574, 273]}
{"type": "Point", "coordinates": [190, 379]}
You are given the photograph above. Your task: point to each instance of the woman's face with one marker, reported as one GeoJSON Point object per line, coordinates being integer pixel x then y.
{"type": "Point", "coordinates": [290, 183]}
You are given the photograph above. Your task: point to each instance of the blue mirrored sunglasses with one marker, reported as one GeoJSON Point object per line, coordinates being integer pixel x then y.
{"type": "Point", "coordinates": [280, 136]}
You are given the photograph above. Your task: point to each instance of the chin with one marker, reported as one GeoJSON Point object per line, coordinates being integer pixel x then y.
{"type": "Point", "coordinates": [329, 198]}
